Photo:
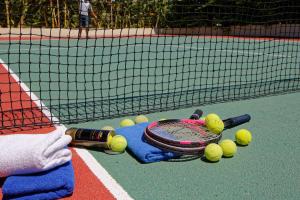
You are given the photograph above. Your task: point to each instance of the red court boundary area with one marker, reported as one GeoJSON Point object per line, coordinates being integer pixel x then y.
{"type": "Point", "coordinates": [17, 110]}
{"type": "Point", "coordinates": [24, 37]}
{"type": "Point", "coordinates": [87, 185]}
{"type": "Point", "coordinates": [14, 97]}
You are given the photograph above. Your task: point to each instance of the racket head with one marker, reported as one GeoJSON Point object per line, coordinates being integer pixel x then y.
{"type": "Point", "coordinates": [184, 133]}
{"type": "Point", "coordinates": [196, 151]}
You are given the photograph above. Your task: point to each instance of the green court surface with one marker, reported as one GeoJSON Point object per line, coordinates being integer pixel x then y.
{"type": "Point", "coordinates": [266, 169]}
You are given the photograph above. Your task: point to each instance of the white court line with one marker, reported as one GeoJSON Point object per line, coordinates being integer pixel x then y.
{"type": "Point", "coordinates": [108, 181]}
{"type": "Point", "coordinates": [241, 52]}
{"type": "Point", "coordinates": [103, 175]}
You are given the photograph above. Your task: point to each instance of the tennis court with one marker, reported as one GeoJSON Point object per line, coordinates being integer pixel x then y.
{"type": "Point", "coordinates": [163, 59]}
{"type": "Point", "coordinates": [265, 169]}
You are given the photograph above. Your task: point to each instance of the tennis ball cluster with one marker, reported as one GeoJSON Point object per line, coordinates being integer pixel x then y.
{"type": "Point", "coordinates": [227, 148]}
{"type": "Point", "coordinates": [214, 152]}
{"type": "Point", "coordinates": [214, 123]}
{"type": "Point", "coordinates": [137, 120]}
{"type": "Point", "coordinates": [118, 143]}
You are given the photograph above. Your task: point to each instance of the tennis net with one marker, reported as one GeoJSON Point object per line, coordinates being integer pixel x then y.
{"type": "Point", "coordinates": [142, 57]}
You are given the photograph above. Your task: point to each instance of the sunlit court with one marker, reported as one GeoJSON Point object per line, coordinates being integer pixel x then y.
{"type": "Point", "coordinates": [149, 99]}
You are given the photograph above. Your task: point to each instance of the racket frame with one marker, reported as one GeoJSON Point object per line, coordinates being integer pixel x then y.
{"type": "Point", "coordinates": [175, 149]}
{"type": "Point", "coordinates": [195, 124]}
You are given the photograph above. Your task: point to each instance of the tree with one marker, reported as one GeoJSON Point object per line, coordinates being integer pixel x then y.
{"type": "Point", "coordinates": [7, 8]}
{"type": "Point", "coordinates": [24, 9]}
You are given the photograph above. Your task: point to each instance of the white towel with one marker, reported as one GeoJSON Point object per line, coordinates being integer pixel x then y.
{"type": "Point", "coordinates": [31, 153]}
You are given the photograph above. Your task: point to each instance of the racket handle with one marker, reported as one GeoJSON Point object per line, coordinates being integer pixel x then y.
{"type": "Point", "coordinates": [235, 121]}
{"type": "Point", "coordinates": [197, 114]}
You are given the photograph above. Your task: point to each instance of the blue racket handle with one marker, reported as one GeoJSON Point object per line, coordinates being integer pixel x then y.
{"type": "Point", "coordinates": [236, 121]}
{"type": "Point", "coordinates": [197, 114]}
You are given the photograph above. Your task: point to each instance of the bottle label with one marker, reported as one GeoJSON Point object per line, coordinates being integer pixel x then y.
{"type": "Point", "coordinates": [92, 135]}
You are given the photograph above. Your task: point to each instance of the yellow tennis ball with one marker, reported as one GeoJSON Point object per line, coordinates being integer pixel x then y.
{"type": "Point", "coordinates": [211, 116]}
{"type": "Point", "coordinates": [215, 125]}
{"type": "Point", "coordinates": [118, 143]}
{"type": "Point", "coordinates": [243, 137]}
{"type": "Point", "coordinates": [140, 119]}
{"type": "Point", "coordinates": [213, 152]}
{"type": "Point", "coordinates": [126, 122]}
{"type": "Point", "coordinates": [109, 139]}
{"type": "Point", "coordinates": [108, 128]}
{"type": "Point", "coordinates": [228, 147]}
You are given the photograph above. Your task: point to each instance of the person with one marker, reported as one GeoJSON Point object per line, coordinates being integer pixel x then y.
{"type": "Point", "coordinates": [85, 8]}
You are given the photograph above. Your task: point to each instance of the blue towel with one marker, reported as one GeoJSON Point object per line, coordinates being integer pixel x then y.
{"type": "Point", "coordinates": [143, 151]}
{"type": "Point", "coordinates": [54, 184]}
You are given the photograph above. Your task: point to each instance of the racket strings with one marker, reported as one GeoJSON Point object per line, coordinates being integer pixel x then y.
{"type": "Point", "coordinates": [184, 131]}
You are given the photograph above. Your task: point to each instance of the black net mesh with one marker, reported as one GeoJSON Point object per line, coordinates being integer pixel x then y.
{"type": "Point", "coordinates": [142, 56]}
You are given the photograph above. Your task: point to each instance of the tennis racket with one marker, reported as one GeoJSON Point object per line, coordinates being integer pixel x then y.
{"type": "Point", "coordinates": [197, 114]}
{"type": "Point", "coordinates": [186, 136]}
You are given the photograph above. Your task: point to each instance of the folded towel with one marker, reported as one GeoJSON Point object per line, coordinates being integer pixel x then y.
{"type": "Point", "coordinates": [143, 151]}
{"type": "Point", "coordinates": [53, 184]}
{"type": "Point", "coordinates": [30, 153]}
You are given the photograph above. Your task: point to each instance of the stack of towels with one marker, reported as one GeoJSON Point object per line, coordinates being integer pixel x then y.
{"type": "Point", "coordinates": [37, 166]}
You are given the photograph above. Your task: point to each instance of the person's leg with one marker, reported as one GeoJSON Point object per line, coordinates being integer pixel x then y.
{"type": "Point", "coordinates": [81, 24]}
{"type": "Point", "coordinates": [87, 33]}
{"type": "Point", "coordinates": [87, 26]}
{"type": "Point", "coordinates": [79, 33]}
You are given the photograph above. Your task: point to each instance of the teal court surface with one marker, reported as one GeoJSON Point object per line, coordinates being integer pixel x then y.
{"type": "Point", "coordinates": [266, 169]}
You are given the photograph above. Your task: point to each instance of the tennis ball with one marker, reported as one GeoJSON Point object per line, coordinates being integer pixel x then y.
{"type": "Point", "coordinates": [109, 139]}
{"type": "Point", "coordinates": [213, 152]}
{"type": "Point", "coordinates": [215, 125]}
{"type": "Point", "coordinates": [118, 143]}
{"type": "Point", "coordinates": [228, 147]}
{"type": "Point", "coordinates": [243, 137]}
{"type": "Point", "coordinates": [108, 128]}
{"type": "Point", "coordinates": [140, 119]}
{"type": "Point", "coordinates": [211, 116]}
{"type": "Point", "coordinates": [126, 122]}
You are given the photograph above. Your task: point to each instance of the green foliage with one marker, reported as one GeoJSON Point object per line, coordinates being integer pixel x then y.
{"type": "Point", "coordinates": [195, 13]}
{"type": "Point", "coordinates": [149, 13]}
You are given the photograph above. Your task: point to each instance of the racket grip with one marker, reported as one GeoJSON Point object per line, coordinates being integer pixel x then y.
{"type": "Point", "coordinates": [236, 121]}
{"type": "Point", "coordinates": [197, 114]}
